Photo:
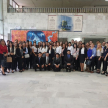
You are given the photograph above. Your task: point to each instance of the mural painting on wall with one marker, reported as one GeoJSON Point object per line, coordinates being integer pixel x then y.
{"type": "Point", "coordinates": [31, 35]}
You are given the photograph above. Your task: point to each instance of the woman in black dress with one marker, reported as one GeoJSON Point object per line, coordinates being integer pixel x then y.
{"type": "Point", "coordinates": [82, 56]}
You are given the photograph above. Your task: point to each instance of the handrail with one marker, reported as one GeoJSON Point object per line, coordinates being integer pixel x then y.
{"type": "Point", "coordinates": [59, 10]}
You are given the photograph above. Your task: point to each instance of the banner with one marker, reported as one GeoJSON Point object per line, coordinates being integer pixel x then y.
{"type": "Point", "coordinates": [52, 19]}
{"type": "Point", "coordinates": [77, 23]}
{"type": "Point", "coordinates": [66, 23]}
{"type": "Point", "coordinates": [31, 35]}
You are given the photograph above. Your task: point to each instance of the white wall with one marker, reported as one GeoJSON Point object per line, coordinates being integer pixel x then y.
{"type": "Point", "coordinates": [95, 25]}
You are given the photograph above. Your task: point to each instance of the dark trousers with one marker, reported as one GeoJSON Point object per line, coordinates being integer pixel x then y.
{"type": "Point", "coordinates": [56, 69]}
{"type": "Point", "coordinates": [27, 63]}
{"type": "Point", "coordinates": [47, 68]}
{"type": "Point", "coordinates": [30, 61]}
{"type": "Point", "coordinates": [68, 67]}
{"type": "Point", "coordinates": [62, 61]}
{"type": "Point", "coordinates": [75, 64]}
{"type": "Point", "coordinates": [105, 65]}
{"type": "Point", "coordinates": [40, 67]}
{"type": "Point", "coordinates": [92, 64]}
{"type": "Point", "coordinates": [98, 63]}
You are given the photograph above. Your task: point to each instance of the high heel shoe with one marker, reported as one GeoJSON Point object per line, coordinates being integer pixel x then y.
{"type": "Point", "coordinates": [3, 74]}
{"type": "Point", "coordinates": [103, 73]}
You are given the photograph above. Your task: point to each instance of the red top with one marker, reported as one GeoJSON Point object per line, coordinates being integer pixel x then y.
{"type": "Point", "coordinates": [3, 49]}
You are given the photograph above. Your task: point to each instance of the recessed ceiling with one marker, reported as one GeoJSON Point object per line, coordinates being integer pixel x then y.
{"type": "Point", "coordinates": [61, 3]}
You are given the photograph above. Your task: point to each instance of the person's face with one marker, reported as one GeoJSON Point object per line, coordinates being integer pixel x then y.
{"type": "Point", "coordinates": [57, 56]}
{"type": "Point", "coordinates": [72, 41]}
{"type": "Point", "coordinates": [46, 43]}
{"type": "Point", "coordinates": [82, 45]}
{"type": "Point", "coordinates": [23, 44]}
{"type": "Point", "coordinates": [63, 45]}
{"type": "Point", "coordinates": [27, 44]}
{"type": "Point", "coordinates": [57, 44]}
{"type": "Point", "coordinates": [103, 43]}
{"type": "Point", "coordinates": [92, 45]}
{"type": "Point", "coordinates": [10, 44]}
{"type": "Point", "coordinates": [69, 44]}
{"type": "Point", "coordinates": [30, 43]}
{"type": "Point", "coordinates": [20, 45]}
{"type": "Point", "coordinates": [50, 46]}
{"type": "Point", "coordinates": [68, 52]}
{"type": "Point", "coordinates": [34, 44]}
{"type": "Point", "coordinates": [54, 44]}
{"type": "Point", "coordinates": [2, 42]}
{"type": "Point", "coordinates": [43, 44]}
{"type": "Point", "coordinates": [40, 54]}
{"type": "Point", "coordinates": [15, 44]}
{"type": "Point", "coordinates": [75, 45]}
{"type": "Point", "coordinates": [47, 54]}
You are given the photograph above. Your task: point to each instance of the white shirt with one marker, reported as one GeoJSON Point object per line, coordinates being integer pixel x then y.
{"type": "Point", "coordinates": [82, 51]}
{"type": "Point", "coordinates": [75, 53]}
{"type": "Point", "coordinates": [39, 49]}
{"type": "Point", "coordinates": [34, 48]}
{"type": "Point", "coordinates": [58, 50]}
{"type": "Point", "coordinates": [71, 49]}
{"type": "Point", "coordinates": [44, 50]}
{"type": "Point", "coordinates": [49, 51]}
{"type": "Point", "coordinates": [99, 52]}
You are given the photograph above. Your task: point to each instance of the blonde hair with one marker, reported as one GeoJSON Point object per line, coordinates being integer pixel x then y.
{"type": "Point", "coordinates": [100, 46]}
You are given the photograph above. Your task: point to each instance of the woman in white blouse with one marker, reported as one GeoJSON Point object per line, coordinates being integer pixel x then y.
{"type": "Point", "coordinates": [54, 47]}
{"type": "Point", "coordinates": [70, 48]}
{"type": "Point", "coordinates": [34, 49]}
{"type": "Point", "coordinates": [75, 55]}
{"type": "Point", "coordinates": [39, 47]}
{"type": "Point", "coordinates": [99, 53]}
{"type": "Point", "coordinates": [44, 50]}
{"type": "Point", "coordinates": [58, 49]}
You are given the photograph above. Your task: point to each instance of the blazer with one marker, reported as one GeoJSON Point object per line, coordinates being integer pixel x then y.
{"type": "Point", "coordinates": [52, 53]}
{"type": "Point", "coordinates": [65, 52]}
{"type": "Point", "coordinates": [19, 53]}
{"type": "Point", "coordinates": [68, 60]}
{"type": "Point", "coordinates": [41, 61]}
{"type": "Point", "coordinates": [12, 49]}
{"type": "Point", "coordinates": [49, 61]}
{"type": "Point", "coordinates": [57, 61]}
{"type": "Point", "coordinates": [85, 52]}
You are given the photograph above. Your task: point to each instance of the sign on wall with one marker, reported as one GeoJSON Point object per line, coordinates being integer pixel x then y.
{"type": "Point", "coordinates": [31, 35]}
{"type": "Point", "coordinates": [65, 23]}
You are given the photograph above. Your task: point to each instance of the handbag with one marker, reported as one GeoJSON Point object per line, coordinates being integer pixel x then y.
{"type": "Point", "coordinates": [27, 55]}
{"type": "Point", "coordinates": [9, 59]}
{"type": "Point", "coordinates": [88, 62]}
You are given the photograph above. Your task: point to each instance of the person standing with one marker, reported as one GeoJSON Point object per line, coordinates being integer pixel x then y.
{"type": "Point", "coordinates": [82, 56]}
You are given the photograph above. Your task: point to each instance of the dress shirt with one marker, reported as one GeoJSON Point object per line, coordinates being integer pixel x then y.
{"type": "Point", "coordinates": [26, 51]}
{"type": "Point", "coordinates": [34, 48]}
{"type": "Point", "coordinates": [94, 52]}
{"type": "Point", "coordinates": [82, 51]}
{"type": "Point", "coordinates": [58, 50]}
{"type": "Point", "coordinates": [44, 50]}
{"type": "Point", "coordinates": [71, 49]}
{"type": "Point", "coordinates": [99, 53]}
{"type": "Point", "coordinates": [39, 49]}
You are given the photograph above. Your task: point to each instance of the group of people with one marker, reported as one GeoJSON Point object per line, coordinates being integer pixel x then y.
{"type": "Point", "coordinates": [54, 56]}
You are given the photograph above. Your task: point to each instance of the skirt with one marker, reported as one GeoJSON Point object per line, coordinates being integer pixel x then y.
{"type": "Point", "coordinates": [82, 58]}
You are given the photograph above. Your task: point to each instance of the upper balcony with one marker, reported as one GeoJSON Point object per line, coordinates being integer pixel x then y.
{"type": "Point", "coordinates": [59, 10]}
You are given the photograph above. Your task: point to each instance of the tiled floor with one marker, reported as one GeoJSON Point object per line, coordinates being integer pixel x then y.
{"type": "Point", "coordinates": [53, 90]}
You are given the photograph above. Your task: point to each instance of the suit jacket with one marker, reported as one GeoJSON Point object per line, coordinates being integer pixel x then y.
{"type": "Point", "coordinates": [65, 52]}
{"type": "Point", "coordinates": [19, 53]}
{"type": "Point", "coordinates": [52, 53]}
{"type": "Point", "coordinates": [41, 61]}
{"type": "Point", "coordinates": [49, 61]}
{"type": "Point", "coordinates": [85, 52]}
{"type": "Point", "coordinates": [57, 61]}
{"type": "Point", "coordinates": [68, 60]}
{"type": "Point", "coordinates": [12, 49]}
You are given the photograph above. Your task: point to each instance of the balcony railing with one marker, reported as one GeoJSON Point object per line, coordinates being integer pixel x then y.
{"type": "Point", "coordinates": [59, 10]}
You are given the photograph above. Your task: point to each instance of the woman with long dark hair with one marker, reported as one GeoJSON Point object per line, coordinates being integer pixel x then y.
{"type": "Point", "coordinates": [82, 56]}
{"type": "Point", "coordinates": [19, 55]}
{"type": "Point", "coordinates": [11, 54]}
{"type": "Point", "coordinates": [75, 56]}
{"type": "Point", "coordinates": [3, 55]}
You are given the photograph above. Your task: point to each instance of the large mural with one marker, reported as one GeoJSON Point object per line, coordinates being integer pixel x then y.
{"type": "Point", "coordinates": [31, 35]}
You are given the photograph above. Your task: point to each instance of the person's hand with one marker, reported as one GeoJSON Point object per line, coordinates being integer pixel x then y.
{"type": "Point", "coordinates": [23, 51]}
{"type": "Point", "coordinates": [22, 56]}
{"type": "Point", "coordinates": [91, 57]}
{"type": "Point", "coordinates": [49, 64]}
{"type": "Point", "coordinates": [76, 58]}
{"type": "Point", "coordinates": [104, 59]}
{"type": "Point", "coordinates": [99, 59]}
{"type": "Point", "coordinates": [12, 53]}
{"type": "Point", "coordinates": [37, 65]}
{"type": "Point", "coordinates": [5, 55]}
{"type": "Point", "coordinates": [46, 65]}
{"type": "Point", "coordinates": [42, 66]}
{"type": "Point", "coordinates": [57, 66]}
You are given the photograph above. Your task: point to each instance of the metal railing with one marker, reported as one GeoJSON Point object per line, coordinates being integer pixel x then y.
{"type": "Point", "coordinates": [59, 10]}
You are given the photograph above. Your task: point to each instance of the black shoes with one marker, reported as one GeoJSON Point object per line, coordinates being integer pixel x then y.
{"type": "Point", "coordinates": [3, 74]}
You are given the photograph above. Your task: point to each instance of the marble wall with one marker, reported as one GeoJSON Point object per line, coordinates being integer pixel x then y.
{"type": "Point", "coordinates": [95, 25]}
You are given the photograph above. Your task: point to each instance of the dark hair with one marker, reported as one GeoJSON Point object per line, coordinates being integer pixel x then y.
{"type": "Point", "coordinates": [76, 46]}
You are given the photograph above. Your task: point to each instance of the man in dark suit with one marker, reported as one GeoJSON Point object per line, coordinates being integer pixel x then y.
{"type": "Point", "coordinates": [47, 62]}
{"type": "Point", "coordinates": [68, 60]}
{"type": "Point", "coordinates": [39, 62]}
{"type": "Point", "coordinates": [57, 63]}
